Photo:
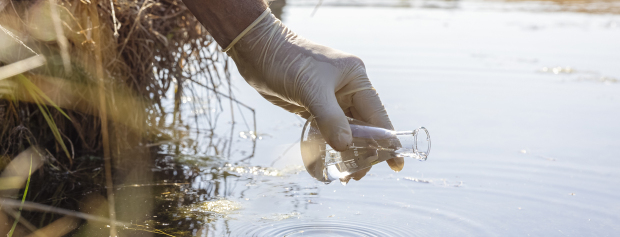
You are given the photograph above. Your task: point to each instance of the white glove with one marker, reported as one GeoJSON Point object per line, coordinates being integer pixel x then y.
{"type": "Point", "coordinates": [308, 79]}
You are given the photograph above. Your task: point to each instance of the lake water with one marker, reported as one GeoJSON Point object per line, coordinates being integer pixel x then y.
{"type": "Point", "coordinates": [522, 100]}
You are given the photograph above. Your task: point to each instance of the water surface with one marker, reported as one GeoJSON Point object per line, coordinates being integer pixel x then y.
{"type": "Point", "coordinates": [521, 100]}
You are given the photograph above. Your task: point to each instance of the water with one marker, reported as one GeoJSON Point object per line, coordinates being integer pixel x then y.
{"type": "Point", "coordinates": [522, 99]}
{"type": "Point", "coordinates": [516, 150]}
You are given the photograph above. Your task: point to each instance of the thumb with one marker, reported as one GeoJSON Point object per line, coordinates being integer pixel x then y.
{"type": "Point", "coordinates": [331, 121]}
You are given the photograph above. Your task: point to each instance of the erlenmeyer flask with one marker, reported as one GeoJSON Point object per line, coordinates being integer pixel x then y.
{"type": "Point", "coordinates": [371, 145]}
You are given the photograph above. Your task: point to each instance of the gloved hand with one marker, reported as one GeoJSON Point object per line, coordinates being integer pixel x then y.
{"type": "Point", "coordinates": [309, 79]}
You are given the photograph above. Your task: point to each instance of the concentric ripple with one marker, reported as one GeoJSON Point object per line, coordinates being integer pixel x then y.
{"type": "Point", "coordinates": [333, 227]}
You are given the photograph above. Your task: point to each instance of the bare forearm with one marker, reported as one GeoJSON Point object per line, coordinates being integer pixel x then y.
{"type": "Point", "coordinates": [225, 19]}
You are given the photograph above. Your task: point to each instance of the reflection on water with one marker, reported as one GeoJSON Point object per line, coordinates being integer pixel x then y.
{"type": "Point", "coordinates": [516, 175]}
{"type": "Point", "coordinates": [572, 74]}
{"type": "Point", "coordinates": [473, 74]}
{"type": "Point", "coordinates": [209, 209]}
{"type": "Point", "coordinates": [195, 195]}
{"type": "Point", "coordinates": [588, 6]}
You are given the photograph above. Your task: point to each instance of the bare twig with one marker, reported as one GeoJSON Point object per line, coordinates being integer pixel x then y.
{"type": "Point", "coordinates": [8, 32]}
{"type": "Point", "coordinates": [316, 8]}
{"type": "Point", "coordinates": [135, 23]}
{"type": "Point", "coordinates": [115, 24]}
{"type": "Point", "coordinates": [223, 95]}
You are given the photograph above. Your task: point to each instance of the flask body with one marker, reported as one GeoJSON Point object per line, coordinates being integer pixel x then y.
{"type": "Point", "coordinates": [371, 145]}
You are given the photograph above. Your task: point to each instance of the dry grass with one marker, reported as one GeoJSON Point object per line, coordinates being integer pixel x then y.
{"type": "Point", "coordinates": [99, 97]}
{"type": "Point", "coordinates": [146, 48]}
{"type": "Point", "coordinates": [583, 6]}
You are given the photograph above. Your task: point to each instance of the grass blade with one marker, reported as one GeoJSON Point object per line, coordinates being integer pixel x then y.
{"type": "Point", "coordinates": [38, 96]}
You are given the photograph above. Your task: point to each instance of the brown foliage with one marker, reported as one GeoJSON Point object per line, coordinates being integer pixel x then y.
{"type": "Point", "coordinates": [150, 50]}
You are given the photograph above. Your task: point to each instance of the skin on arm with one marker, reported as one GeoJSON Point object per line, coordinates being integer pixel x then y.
{"type": "Point", "coordinates": [225, 19]}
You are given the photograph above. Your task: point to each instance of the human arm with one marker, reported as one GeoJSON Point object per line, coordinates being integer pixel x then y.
{"type": "Point", "coordinates": [294, 73]}
{"type": "Point", "coordinates": [225, 19]}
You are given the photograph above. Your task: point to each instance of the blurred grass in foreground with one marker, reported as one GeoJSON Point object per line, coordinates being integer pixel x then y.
{"type": "Point", "coordinates": [91, 96]}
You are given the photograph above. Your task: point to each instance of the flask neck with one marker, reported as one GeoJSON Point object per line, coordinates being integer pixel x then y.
{"type": "Point", "coordinates": [415, 144]}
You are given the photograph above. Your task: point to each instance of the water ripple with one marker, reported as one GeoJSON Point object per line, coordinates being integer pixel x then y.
{"type": "Point", "coordinates": [320, 228]}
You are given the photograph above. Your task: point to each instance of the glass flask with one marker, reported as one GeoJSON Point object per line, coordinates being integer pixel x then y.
{"type": "Point", "coordinates": [371, 145]}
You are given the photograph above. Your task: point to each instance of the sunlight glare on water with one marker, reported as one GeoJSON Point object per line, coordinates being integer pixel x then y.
{"type": "Point", "coordinates": [220, 207]}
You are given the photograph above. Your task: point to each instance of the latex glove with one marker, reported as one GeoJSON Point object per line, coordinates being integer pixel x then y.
{"type": "Point", "coordinates": [309, 79]}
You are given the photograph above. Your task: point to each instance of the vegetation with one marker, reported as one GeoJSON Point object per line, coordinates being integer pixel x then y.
{"type": "Point", "coordinates": [90, 93]}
